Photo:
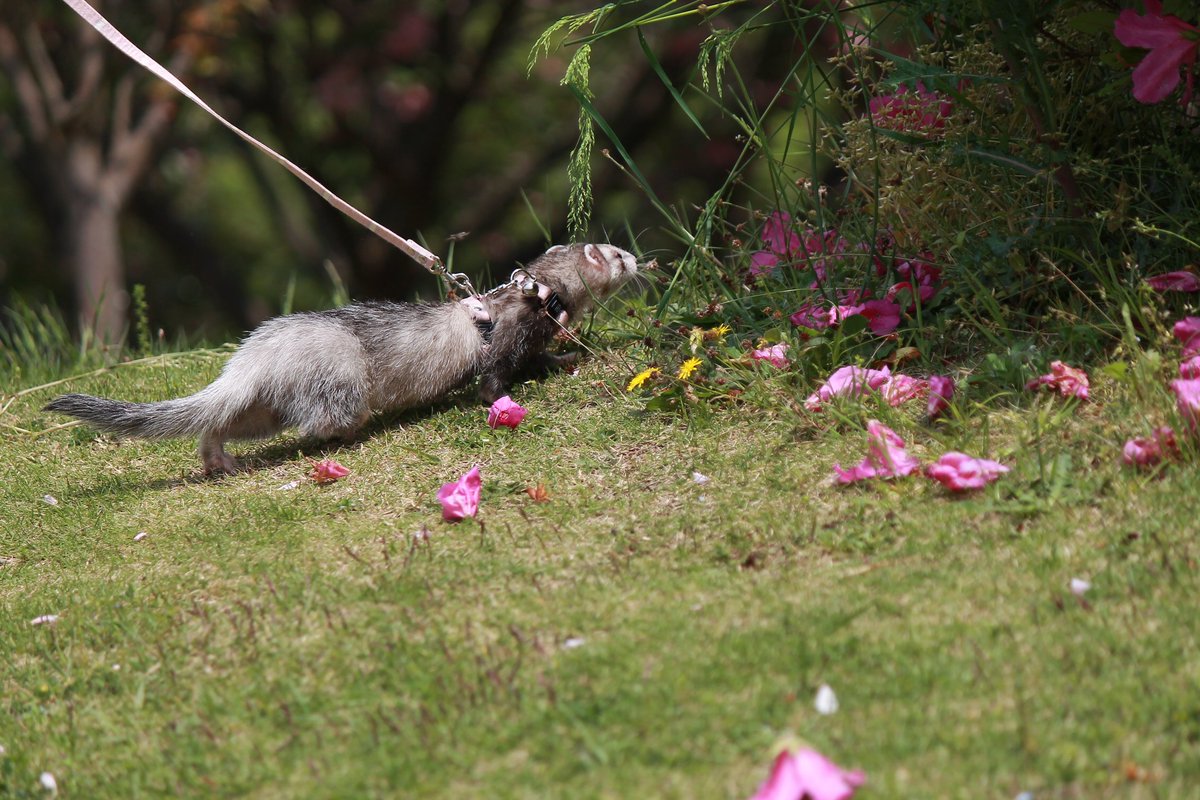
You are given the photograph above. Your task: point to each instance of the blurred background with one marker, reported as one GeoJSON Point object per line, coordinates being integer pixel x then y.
{"type": "Point", "coordinates": [422, 114]}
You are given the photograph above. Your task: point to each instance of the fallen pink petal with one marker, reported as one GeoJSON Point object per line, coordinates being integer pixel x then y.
{"type": "Point", "coordinates": [1066, 380]}
{"type": "Point", "coordinates": [1079, 587]}
{"type": "Point", "coordinates": [1187, 331]}
{"type": "Point", "coordinates": [1190, 368]}
{"type": "Point", "coordinates": [1148, 451]}
{"type": "Point", "coordinates": [960, 472]}
{"type": "Point", "coordinates": [775, 355]}
{"type": "Point", "coordinates": [886, 457]}
{"type": "Point", "coordinates": [1180, 281]}
{"type": "Point", "coordinates": [808, 775]}
{"type": "Point", "coordinates": [327, 471]}
{"type": "Point", "coordinates": [941, 391]}
{"type": "Point", "coordinates": [505, 412]}
{"type": "Point", "coordinates": [902, 388]}
{"type": "Point", "coordinates": [1172, 44]}
{"type": "Point", "coordinates": [45, 619]}
{"type": "Point", "coordinates": [848, 381]}
{"type": "Point", "coordinates": [460, 498]}
{"type": "Point", "coordinates": [1187, 399]}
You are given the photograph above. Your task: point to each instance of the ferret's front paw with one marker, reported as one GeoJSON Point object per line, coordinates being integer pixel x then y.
{"type": "Point", "coordinates": [223, 464]}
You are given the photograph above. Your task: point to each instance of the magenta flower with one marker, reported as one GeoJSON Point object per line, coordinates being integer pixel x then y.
{"type": "Point", "coordinates": [782, 242]}
{"type": "Point", "coordinates": [1148, 451]}
{"type": "Point", "coordinates": [808, 775]}
{"type": "Point", "coordinates": [941, 389]}
{"type": "Point", "coordinates": [886, 457]}
{"type": "Point", "coordinates": [883, 316]}
{"type": "Point", "coordinates": [902, 388]}
{"type": "Point", "coordinates": [1187, 399]}
{"type": "Point", "coordinates": [812, 316]}
{"type": "Point", "coordinates": [775, 355]}
{"type": "Point", "coordinates": [847, 381]}
{"type": "Point", "coordinates": [1179, 281]}
{"type": "Point", "coordinates": [327, 471]}
{"type": "Point", "coordinates": [1067, 381]}
{"type": "Point", "coordinates": [1187, 331]}
{"type": "Point", "coordinates": [1172, 44]}
{"type": "Point", "coordinates": [505, 412]}
{"type": "Point", "coordinates": [1190, 368]}
{"type": "Point", "coordinates": [915, 111]}
{"type": "Point", "coordinates": [959, 472]}
{"type": "Point", "coordinates": [460, 498]}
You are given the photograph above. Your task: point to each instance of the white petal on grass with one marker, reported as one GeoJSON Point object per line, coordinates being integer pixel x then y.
{"type": "Point", "coordinates": [288, 486]}
{"type": "Point", "coordinates": [700, 478]}
{"type": "Point", "coordinates": [1079, 587]}
{"type": "Point", "coordinates": [2, 750]}
{"type": "Point", "coordinates": [44, 619]}
{"type": "Point", "coordinates": [826, 701]}
{"type": "Point", "coordinates": [48, 783]}
{"type": "Point", "coordinates": [573, 642]}
{"type": "Point", "coordinates": [140, 535]}
{"type": "Point", "coordinates": [49, 499]}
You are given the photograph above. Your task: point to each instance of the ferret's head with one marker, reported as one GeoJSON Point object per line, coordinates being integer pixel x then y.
{"type": "Point", "coordinates": [584, 272]}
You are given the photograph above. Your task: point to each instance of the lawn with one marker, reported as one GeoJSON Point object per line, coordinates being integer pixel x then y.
{"type": "Point", "coordinates": [641, 633]}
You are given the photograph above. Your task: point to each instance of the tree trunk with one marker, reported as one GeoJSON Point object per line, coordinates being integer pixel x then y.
{"type": "Point", "coordinates": [92, 251]}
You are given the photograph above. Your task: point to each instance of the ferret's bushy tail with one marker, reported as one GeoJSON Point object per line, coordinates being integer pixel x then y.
{"type": "Point", "coordinates": [185, 416]}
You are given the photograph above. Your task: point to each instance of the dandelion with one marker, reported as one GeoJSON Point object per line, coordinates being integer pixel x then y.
{"type": "Point", "coordinates": [642, 377]}
{"type": "Point", "coordinates": [688, 367]}
{"type": "Point", "coordinates": [718, 332]}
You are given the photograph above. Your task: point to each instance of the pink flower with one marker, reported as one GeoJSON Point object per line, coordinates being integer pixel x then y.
{"type": "Point", "coordinates": [775, 355]}
{"type": "Point", "coordinates": [1172, 44]}
{"type": "Point", "coordinates": [959, 472]}
{"type": "Point", "coordinates": [883, 316]}
{"type": "Point", "coordinates": [1067, 381]}
{"type": "Point", "coordinates": [461, 498]}
{"type": "Point", "coordinates": [1187, 399]}
{"type": "Point", "coordinates": [782, 243]}
{"type": "Point", "coordinates": [1179, 281]}
{"type": "Point", "coordinates": [902, 388]}
{"type": "Point", "coordinates": [886, 457]}
{"type": "Point", "coordinates": [847, 382]}
{"type": "Point", "coordinates": [1148, 451]}
{"type": "Point", "coordinates": [904, 110]}
{"type": "Point", "coordinates": [327, 471]}
{"type": "Point", "coordinates": [1187, 331]}
{"type": "Point", "coordinates": [941, 389]}
{"type": "Point", "coordinates": [812, 316]}
{"type": "Point", "coordinates": [808, 775]}
{"type": "Point", "coordinates": [1190, 368]}
{"type": "Point", "coordinates": [505, 412]}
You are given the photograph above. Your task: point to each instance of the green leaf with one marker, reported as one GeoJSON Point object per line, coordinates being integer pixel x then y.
{"type": "Point", "coordinates": [662, 76]}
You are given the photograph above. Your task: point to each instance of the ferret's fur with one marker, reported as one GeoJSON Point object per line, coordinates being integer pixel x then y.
{"type": "Point", "coordinates": [326, 372]}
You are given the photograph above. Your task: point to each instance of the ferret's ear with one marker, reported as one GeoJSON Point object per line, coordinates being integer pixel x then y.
{"type": "Point", "coordinates": [594, 257]}
{"type": "Point", "coordinates": [556, 248]}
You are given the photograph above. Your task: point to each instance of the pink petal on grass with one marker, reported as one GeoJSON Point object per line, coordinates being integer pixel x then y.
{"type": "Point", "coordinates": [1180, 281]}
{"type": "Point", "coordinates": [460, 498]}
{"type": "Point", "coordinates": [1190, 368]}
{"type": "Point", "coordinates": [1066, 380]}
{"type": "Point", "coordinates": [848, 381]}
{"type": "Point", "coordinates": [941, 390]}
{"type": "Point", "coordinates": [883, 316]}
{"type": "Point", "coordinates": [808, 775]}
{"type": "Point", "coordinates": [1187, 331]}
{"type": "Point", "coordinates": [327, 471]}
{"type": "Point", "coordinates": [960, 472]}
{"type": "Point", "coordinates": [902, 388]}
{"type": "Point", "coordinates": [1146, 451]}
{"type": "Point", "coordinates": [1187, 400]}
{"type": "Point", "coordinates": [1171, 44]}
{"type": "Point", "coordinates": [505, 412]}
{"type": "Point", "coordinates": [886, 457]}
{"type": "Point", "coordinates": [776, 355]}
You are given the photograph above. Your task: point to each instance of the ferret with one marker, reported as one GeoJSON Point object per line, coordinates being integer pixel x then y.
{"type": "Point", "coordinates": [325, 372]}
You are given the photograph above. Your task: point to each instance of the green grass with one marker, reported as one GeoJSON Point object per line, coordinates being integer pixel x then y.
{"type": "Point", "coordinates": [260, 642]}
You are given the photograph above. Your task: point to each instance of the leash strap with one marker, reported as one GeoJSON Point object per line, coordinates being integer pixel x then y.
{"type": "Point", "coordinates": [415, 251]}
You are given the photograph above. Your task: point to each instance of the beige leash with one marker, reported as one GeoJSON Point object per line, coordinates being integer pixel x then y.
{"type": "Point", "coordinates": [454, 280]}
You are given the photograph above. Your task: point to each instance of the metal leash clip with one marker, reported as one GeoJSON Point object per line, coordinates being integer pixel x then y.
{"type": "Point", "coordinates": [525, 282]}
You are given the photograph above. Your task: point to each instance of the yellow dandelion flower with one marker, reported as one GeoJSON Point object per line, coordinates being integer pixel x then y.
{"type": "Point", "coordinates": [688, 367]}
{"type": "Point", "coordinates": [641, 378]}
{"type": "Point", "coordinates": [717, 332]}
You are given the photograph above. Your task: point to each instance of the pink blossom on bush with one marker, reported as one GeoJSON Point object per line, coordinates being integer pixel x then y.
{"type": "Point", "coordinates": [918, 110]}
{"type": "Point", "coordinates": [1190, 368]}
{"type": "Point", "coordinates": [1187, 331]}
{"type": "Point", "coordinates": [902, 388]}
{"type": "Point", "coordinates": [776, 355]}
{"type": "Point", "coordinates": [960, 472]}
{"type": "Point", "coordinates": [941, 389]}
{"type": "Point", "coordinates": [505, 412]}
{"type": "Point", "coordinates": [1187, 399]}
{"type": "Point", "coordinates": [781, 240]}
{"type": "Point", "coordinates": [1172, 44]}
{"type": "Point", "coordinates": [847, 381]}
{"type": "Point", "coordinates": [886, 457]}
{"type": "Point", "coordinates": [1066, 380]}
{"type": "Point", "coordinates": [1148, 451]}
{"type": "Point", "coordinates": [460, 498]}
{"type": "Point", "coordinates": [808, 775]}
{"type": "Point", "coordinates": [1179, 281]}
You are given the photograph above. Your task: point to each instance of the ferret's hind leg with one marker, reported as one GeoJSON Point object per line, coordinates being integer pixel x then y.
{"type": "Point", "coordinates": [337, 412]}
{"type": "Point", "coordinates": [256, 422]}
